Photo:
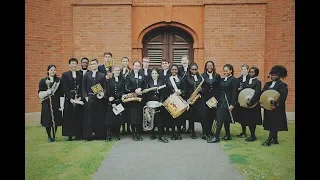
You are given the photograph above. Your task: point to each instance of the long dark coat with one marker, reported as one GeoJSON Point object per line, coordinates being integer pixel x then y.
{"type": "Point", "coordinates": [93, 109]}
{"type": "Point", "coordinates": [134, 108]}
{"type": "Point", "coordinates": [181, 120]}
{"type": "Point", "coordinates": [196, 112]}
{"type": "Point", "coordinates": [156, 96]}
{"type": "Point", "coordinates": [72, 115]}
{"type": "Point", "coordinates": [276, 119]}
{"type": "Point", "coordinates": [46, 118]}
{"type": "Point", "coordinates": [251, 116]}
{"type": "Point", "coordinates": [115, 90]}
{"type": "Point", "coordinates": [237, 109]}
{"type": "Point", "coordinates": [210, 88]}
{"type": "Point", "coordinates": [230, 89]}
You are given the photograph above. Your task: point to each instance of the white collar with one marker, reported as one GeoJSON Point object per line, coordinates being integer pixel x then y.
{"type": "Point", "coordinates": [250, 80]}
{"type": "Point", "coordinates": [74, 74]}
{"type": "Point", "coordinates": [210, 74]}
{"type": "Point", "coordinates": [95, 70]}
{"type": "Point", "coordinates": [51, 78]}
{"type": "Point", "coordinates": [136, 75]}
{"type": "Point", "coordinates": [195, 77]}
{"type": "Point", "coordinates": [273, 83]}
{"type": "Point", "coordinates": [155, 82]}
{"type": "Point", "coordinates": [226, 78]}
{"type": "Point", "coordinates": [244, 77]}
{"type": "Point", "coordinates": [116, 78]}
{"type": "Point", "coordinates": [185, 68]}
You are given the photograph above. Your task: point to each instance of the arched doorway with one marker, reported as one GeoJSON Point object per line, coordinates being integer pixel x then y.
{"type": "Point", "coordinates": [167, 42]}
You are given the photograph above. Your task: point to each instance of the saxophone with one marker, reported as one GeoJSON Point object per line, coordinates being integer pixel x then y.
{"type": "Point", "coordinates": [134, 96]}
{"type": "Point", "coordinates": [195, 95]}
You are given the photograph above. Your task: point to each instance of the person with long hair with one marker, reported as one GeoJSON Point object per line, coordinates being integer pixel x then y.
{"type": "Point", "coordinates": [50, 92]}
{"type": "Point", "coordinates": [251, 117]}
{"type": "Point", "coordinates": [157, 95]}
{"type": "Point", "coordinates": [115, 90]}
{"type": "Point", "coordinates": [210, 88]}
{"type": "Point", "coordinates": [135, 83]}
{"type": "Point", "coordinates": [125, 70]}
{"type": "Point", "coordinates": [226, 102]}
{"type": "Point", "coordinates": [196, 111]}
{"type": "Point", "coordinates": [175, 85]}
{"type": "Point", "coordinates": [275, 120]}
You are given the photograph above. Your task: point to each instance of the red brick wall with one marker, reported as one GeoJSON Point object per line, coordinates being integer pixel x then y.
{"type": "Point", "coordinates": [42, 46]}
{"type": "Point", "coordinates": [97, 29]}
{"type": "Point", "coordinates": [235, 34]}
{"type": "Point", "coordinates": [256, 32]}
{"type": "Point", "coordinates": [280, 42]}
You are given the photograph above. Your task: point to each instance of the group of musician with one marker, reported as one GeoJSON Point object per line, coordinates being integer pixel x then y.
{"type": "Point", "coordinates": [85, 114]}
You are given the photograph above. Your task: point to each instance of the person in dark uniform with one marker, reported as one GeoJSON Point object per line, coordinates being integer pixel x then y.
{"type": "Point", "coordinates": [145, 71]}
{"type": "Point", "coordinates": [196, 111]}
{"type": "Point", "coordinates": [276, 120]}
{"type": "Point", "coordinates": [135, 83]}
{"type": "Point", "coordinates": [157, 95]}
{"type": "Point", "coordinates": [175, 85]}
{"type": "Point", "coordinates": [124, 71]}
{"type": "Point", "coordinates": [93, 124]}
{"type": "Point", "coordinates": [115, 90]}
{"type": "Point", "coordinates": [183, 71]}
{"type": "Point", "coordinates": [50, 92]}
{"type": "Point", "coordinates": [71, 82]}
{"type": "Point", "coordinates": [252, 116]}
{"type": "Point", "coordinates": [84, 65]}
{"type": "Point", "coordinates": [238, 111]}
{"type": "Point", "coordinates": [210, 88]}
{"type": "Point", "coordinates": [106, 67]}
{"type": "Point", "coordinates": [164, 75]}
{"type": "Point", "coordinates": [226, 102]}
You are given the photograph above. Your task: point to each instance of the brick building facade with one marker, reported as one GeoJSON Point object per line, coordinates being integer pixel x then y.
{"type": "Point", "coordinates": [255, 32]}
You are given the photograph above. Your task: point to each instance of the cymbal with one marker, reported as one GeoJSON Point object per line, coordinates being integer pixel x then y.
{"type": "Point", "coordinates": [268, 96]}
{"type": "Point", "coordinates": [245, 95]}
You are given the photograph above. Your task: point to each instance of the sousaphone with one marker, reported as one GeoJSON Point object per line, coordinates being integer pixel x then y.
{"type": "Point", "coordinates": [245, 96]}
{"type": "Point", "coordinates": [267, 97]}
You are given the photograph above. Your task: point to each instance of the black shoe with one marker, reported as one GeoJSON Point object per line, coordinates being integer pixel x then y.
{"type": "Point", "coordinates": [173, 137]}
{"type": "Point", "coordinates": [153, 137]}
{"type": "Point", "coordinates": [50, 140]}
{"type": "Point", "coordinates": [108, 139]}
{"type": "Point", "coordinates": [178, 137]}
{"type": "Point", "coordinates": [242, 135]}
{"type": "Point", "coordinates": [266, 143]}
{"type": "Point", "coordinates": [135, 137]}
{"type": "Point", "coordinates": [204, 137]}
{"type": "Point", "coordinates": [163, 139]}
{"type": "Point", "coordinates": [117, 138]}
{"type": "Point", "coordinates": [274, 141]}
{"type": "Point", "coordinates": [140, 138]}
{"type": "Point", "coordinates": [226, 138]}
{"type": "Point", "coordinates": [250, 139]}
{"type": "Point", "coordinates": [193, 135]}
{"type": "Point", "coordinates": [213, 140]}
{"type": "Point", "coordinates": [70, 138]}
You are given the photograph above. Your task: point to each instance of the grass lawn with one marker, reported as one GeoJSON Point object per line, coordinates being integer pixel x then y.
{"type": "Point", "coordinates": [255, 161]}
{"type": "Point", "coordinates": [62, 159]}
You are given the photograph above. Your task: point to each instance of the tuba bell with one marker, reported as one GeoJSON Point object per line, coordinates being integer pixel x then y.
{"type": "Point", "coordinates": [269, 97]}
{"type": "Point", "coordinates": [149, 111]}
{"type": "Point", "coordinates": [245, 96]}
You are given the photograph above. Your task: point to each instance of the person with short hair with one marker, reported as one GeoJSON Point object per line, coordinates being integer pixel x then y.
{"type": "Point", "coordinates": [93, 123]}
{"type": "Point", "coordinates": [71, 83]}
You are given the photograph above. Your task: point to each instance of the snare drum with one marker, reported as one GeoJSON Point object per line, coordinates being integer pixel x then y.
{"type": "Point", "coordinates": [175, 105]}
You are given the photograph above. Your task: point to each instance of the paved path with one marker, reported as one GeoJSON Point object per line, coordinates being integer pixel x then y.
{"type": "Point", "coordinates": [187, 159]}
